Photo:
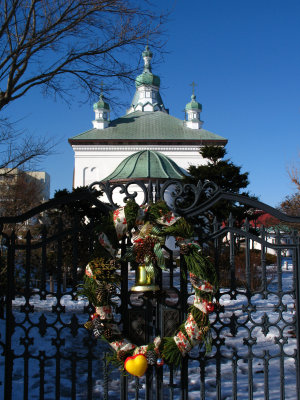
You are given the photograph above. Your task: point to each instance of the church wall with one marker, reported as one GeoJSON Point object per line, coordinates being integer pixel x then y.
{"type": "Point", "coordinates": [93, 163]}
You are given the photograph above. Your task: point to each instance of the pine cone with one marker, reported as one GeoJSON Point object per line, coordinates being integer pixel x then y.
{"type": "Point", "coordinates": [121, 355]}
{"type": "Point", "coordinates": [184, 249]}
{"type": "Point", "coordinates": [151, 357]}
{"type": "Point", "coordinates": [103, 298]}
{"type": "Point", "coordinates": [111, 288]}
{"type": "Point", "coordinates": [108, 334]}
{"type": "Point", "coordinates": [102, 294]}
{"type": "Point", "coordinates": [145, 248]}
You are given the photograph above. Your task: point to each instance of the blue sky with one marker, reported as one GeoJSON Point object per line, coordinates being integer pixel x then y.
{"type": "Point", "coordinates": [244, 57]}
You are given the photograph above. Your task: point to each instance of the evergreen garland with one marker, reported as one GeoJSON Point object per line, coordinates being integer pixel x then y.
{"type": "Point", "coordinates": [88, 289]}
{"type": "Point", "coordinates": [102, 280]}
{"type": "Point", "coordinates": [181, 229]}
{"type": "Point", "coordinates": [157, 210]}
{"type": "Point", "coordinates": [131, 210]}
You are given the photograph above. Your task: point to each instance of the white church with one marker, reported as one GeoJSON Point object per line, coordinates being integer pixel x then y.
{"type": "Point", "coordinates": [146, 125]}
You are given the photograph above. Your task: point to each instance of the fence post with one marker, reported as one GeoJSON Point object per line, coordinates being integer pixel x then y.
{"type": "Point", "coordinates": [51, 284]}
{"type": "Point", "coordinates": [64, 281]}
{"type": "Point", "coordinates": [296, 266]}
{"type": "Point", "coordinates": [9, 319]}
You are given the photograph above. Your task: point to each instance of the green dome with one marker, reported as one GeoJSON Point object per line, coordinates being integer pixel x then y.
{"type": "Point", "coordinates": [193, 104]}
{"type": "Point", "coordinates": [147, 78]}
{"type": "Point", "coordinates": [101, 104]}
{"type": "Point", "coordinates": [146, 164]}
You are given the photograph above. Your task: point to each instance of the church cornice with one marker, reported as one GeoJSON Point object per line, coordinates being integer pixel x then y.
{"type": "Point", "coordinates": [134, 148]}
{"type": "Point", "coordinates": [145, 143]}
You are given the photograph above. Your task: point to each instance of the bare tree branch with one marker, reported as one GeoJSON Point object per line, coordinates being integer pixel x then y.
{"type": "Point", "coordinates": [19, 193]}
{"type": "Point", "coordinates": [20, 151]}
{"type": "Point", "coordinates": [59, 45]}
{"type": "Point", "coordinates": [291, 204]}
{"type": "Point", "coordinates": [294, 174]}
{"type": "Point", "coordinates": [43, 42]}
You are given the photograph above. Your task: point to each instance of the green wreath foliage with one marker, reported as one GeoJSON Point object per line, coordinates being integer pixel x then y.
{"type": "Point", "coordinates": [102, 282]}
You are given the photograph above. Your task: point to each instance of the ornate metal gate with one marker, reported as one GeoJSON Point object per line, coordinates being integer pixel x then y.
{"type": "Point", "coordinates": [46, 353]}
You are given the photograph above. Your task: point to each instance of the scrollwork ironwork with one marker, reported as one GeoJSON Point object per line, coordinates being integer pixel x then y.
{"type": "Point", "coordinates": [108, 188]}
{"type": "Point", "coordinates": [181, 197]}
{"type": "Point", "coordinates": [187, 195]}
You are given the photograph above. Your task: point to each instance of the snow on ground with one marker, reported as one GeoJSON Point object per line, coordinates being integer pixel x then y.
{"type": "Point", "coordinates": [266, 349]}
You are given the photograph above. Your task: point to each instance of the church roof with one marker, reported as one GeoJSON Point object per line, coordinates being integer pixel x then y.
{"type": "Point", "coordinates": [148, 127]}
{"type": "Point", "coordinates": [146, 164]}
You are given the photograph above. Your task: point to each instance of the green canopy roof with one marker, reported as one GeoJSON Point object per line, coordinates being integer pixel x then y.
{"type": "Point", "coordinates": [147, 127]}
{"type": "Point", "coordinates": [146, 164]}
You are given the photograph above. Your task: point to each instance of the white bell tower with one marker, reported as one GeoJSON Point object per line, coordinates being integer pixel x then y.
{"type": "Point", "coordinates": [102, 113]}
{"type": "Point", "coordinates": [193, 110]}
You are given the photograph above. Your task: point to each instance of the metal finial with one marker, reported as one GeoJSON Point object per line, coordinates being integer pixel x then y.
{"type": "Point", "coordinates": [101, 85]}
{"type": "Point", "coordinates": [193, 84]}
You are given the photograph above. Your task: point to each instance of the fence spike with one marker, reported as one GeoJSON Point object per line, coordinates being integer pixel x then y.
{"type": "Point", "coordinates": [215, 224]}
{"type": "Point", "coordinates": [247, 224]}
{"type": "Point", "coordinates": [231, 220]}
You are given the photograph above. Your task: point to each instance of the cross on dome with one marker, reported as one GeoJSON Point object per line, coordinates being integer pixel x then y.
{"type": "Point", "coordinates": [147, 56]}
{"type": "Point", "coordinates": [101, 88]}
{"type": "Point", "coordinates": [193, 84]}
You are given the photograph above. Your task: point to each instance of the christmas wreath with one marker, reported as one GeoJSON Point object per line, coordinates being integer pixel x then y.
{"type": "Point", "coordinates": [148, 227]}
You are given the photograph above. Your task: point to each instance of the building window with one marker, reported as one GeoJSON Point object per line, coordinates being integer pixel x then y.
{"type": "Point", "coordinates": [148, 94]}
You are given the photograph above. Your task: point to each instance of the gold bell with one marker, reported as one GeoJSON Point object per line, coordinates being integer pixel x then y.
{"type": "Point", "coordinates": [145, 281]}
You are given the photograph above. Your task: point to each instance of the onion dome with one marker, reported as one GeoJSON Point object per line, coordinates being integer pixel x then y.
{"type": "Point", "coordinates": [101, 104]}
{"type": "Point", "coordinates": [146, 164]}
{"type": "Point", "coordinates": [147, 78]}
{"type": "Point", "coordinates": [193, 110]}
{"type": "Point", "coordinates": [193, 104]}
{"type": "Point", "coordinates": [102, 113]}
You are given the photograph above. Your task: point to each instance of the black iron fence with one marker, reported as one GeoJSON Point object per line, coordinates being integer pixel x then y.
{"type": "Point", "coordinates": [46, 353]}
